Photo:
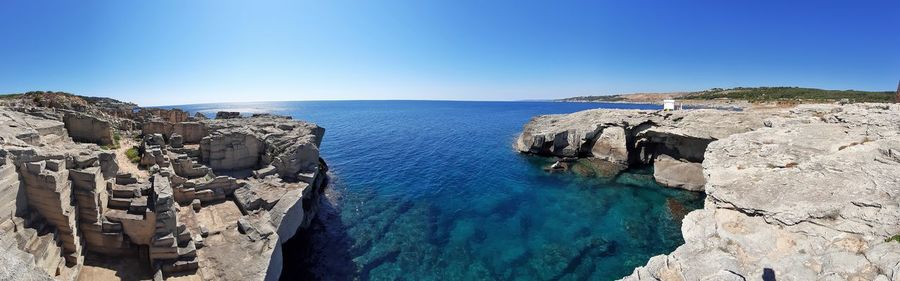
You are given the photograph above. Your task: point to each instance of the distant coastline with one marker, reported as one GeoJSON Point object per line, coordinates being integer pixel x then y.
{"type": "Point", "coordinates": [745, 97]}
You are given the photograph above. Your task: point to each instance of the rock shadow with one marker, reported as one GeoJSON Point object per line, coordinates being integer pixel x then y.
{"type": "Point", "coordinates": [322, 251]}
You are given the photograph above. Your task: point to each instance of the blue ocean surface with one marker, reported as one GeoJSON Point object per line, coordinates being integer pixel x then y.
{"type": "Point", "coordinates": [433, 190]}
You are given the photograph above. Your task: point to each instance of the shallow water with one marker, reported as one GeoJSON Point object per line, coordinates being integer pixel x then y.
{"type": "Point", "coordinates": [433, 190]}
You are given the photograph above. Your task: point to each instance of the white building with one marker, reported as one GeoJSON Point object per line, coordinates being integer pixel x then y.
{"type": "Point", "coordinates": [668, 104]}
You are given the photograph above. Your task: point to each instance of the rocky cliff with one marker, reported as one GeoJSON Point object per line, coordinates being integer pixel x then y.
{"type": "Point", "coordinates": [213, 199]}
{"type": "Point", "coordinates": [673, 142]}
{"type": "Point", "coordinates": [809, 193]}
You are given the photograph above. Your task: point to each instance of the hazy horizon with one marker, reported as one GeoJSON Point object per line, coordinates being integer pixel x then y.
{"type": "Point", "coordinates": [176, 53]}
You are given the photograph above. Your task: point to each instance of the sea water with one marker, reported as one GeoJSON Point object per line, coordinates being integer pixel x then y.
{"type": "Point", "coordinates": [433, 190]}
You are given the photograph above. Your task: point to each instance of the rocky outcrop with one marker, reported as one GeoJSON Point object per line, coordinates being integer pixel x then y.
{"type": "Point", "coordinates": [165, 115]}
{"type": "Point", "coordinates": [673, 141]}
{"type": "Point", "coordinates": [274, 175]}
{"type": "Point", "coordinates": [255, 143]}
{"type": "Point", "coordinates": [52, 190]}
{"type": "Point", "coordinates": [64, 200]}
{"type": "Point", "coordinates": [672, 172]}
{"type": "Point", "coordinates": [84, 128]}
{"type": "Point", "coordinates": [227, 115]}
{"type": "Point", "coordinates": [811, 195]}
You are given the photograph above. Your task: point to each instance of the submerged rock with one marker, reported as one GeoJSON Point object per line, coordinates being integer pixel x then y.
{"type": "Point", "coordinates": [593, 167]}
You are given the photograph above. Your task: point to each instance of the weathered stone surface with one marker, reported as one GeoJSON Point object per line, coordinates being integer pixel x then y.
{"type": "Point", "coordinates": [84, 128]}
{"type": "Point", "coordinates": [188, 168]}
{"type": "Point", "coordinates": [75, 194]}
{"type": "Point", "coordinates": [18, 265]}
{"type": "Point", "coordinates": [49, 193]}
{"type": "Point", "coordinates": [292, 147]}
{"type": "Point", "coordinates": [191, 132]}
{"type": "Point", "coordinates": [672, 172]}
{"type": "Point", "coordinates": [611, 146]}
{"type": "Point", "coordinates": [167, 115]}
{"type": "Point", "coordinates": [157, 127]}
{"type": "Point", "coordinates": [637, 137]}
{"type": "Point", "coordinates": [176, 141]}
{"type": "Point", "coordinates": [811, 197]}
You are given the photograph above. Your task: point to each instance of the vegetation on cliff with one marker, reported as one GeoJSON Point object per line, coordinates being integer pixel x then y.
{"type": "Point", "coordinates": [764, 94]}
{"type": "Point", "coordinates": [751, 94]}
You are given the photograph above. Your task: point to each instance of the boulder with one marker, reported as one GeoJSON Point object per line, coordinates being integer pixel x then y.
{"type": "Point", "coordinates": [611, 146]}
{"type": "Point", "coordinates": [676, 173]}
{"type": "Point", "coordinates": [176, 141]}
{"type": "Point", "coordinates": [227, 115]}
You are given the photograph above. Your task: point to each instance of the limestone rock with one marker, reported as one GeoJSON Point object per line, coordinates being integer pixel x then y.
{"type": "Point", "coordinates": [191, 132]}
{"type": "Point", "coordinates": [176, 141]}
{"type": "Point", "coordinates": [19, 265]}
{"type": "Point", "coordinates": [611, 146]}
{"type": "Point", "coordinates": [61, 199]}
{"type": "Point", "coordinates": [84, 128]}
{"type": "Point", "coordinates": [812, 196]}
{"type": "Point", "coordinates": [292, 147]}
{"type": "Point", "coordinates": [672, 172]}
{"type": "Point", "coordinates": [634, 137]}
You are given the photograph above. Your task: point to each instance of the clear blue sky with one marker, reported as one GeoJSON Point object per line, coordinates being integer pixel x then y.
{"type": "Point", "coordinates": [176, 52]}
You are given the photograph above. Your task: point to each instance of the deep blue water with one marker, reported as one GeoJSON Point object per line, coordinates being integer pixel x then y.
{"type": "Point", "coordinates": [433, 190]}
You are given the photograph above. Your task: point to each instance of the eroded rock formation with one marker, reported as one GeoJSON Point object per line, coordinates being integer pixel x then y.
{"type": "Point", "coordinates": [673, 141]}
{"type": "Point", "coordinates": [203, 201]}
{"type": "Point", "coordinates": [809, 193]}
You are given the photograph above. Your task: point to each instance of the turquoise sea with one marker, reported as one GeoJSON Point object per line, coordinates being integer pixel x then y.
{"type": "Point", "coordinates": [433, 190]}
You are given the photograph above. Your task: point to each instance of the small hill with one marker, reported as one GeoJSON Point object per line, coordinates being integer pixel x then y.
{"type": "Point", "coordinates": [754, 94]}
{"type": "Point", "coordinates": [61, 100]}
{"type": "Point", "coordinates": [636, 97]}
{"type": "Point", "coordinates": [765, 94]}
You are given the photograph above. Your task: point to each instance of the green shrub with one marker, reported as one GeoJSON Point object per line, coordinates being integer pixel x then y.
{"type": "Point", "coordinates": [133, 155]}
{"type": "Point", "coordinates": [895, 238]}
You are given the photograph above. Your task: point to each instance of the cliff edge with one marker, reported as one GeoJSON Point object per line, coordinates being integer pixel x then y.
{"type": "Point", "coordinates": [808, 193]}
{"type": "Point", "coordinates": [96, 189]}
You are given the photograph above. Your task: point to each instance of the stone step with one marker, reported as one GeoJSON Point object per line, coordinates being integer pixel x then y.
{"type": "Point", "coordinates": [181, 265]}
{"type": "Point", "coordinates": [163, 253]}
{"type": "Point", "coordinates": [119, 203]}
{"type": "Point", "coordinates": [111, 227]}
{"type": "Point", "coordinates": [47, 252]}
{"type": "Point", "coordinates": [47, 258]}
{"type": "Point", "coordinates": [122, 191]}
{"type": "Point", "coordinates": [183, 238]}
{"type": "Point", "coordinates": [189, 250]}
{"type": "Point", "coordinates": [125, 178]}
{"type": "Point", "coordinates": [138, 205]}
{"type": "Point", "coordinates": [164, 241]}
{"type": "Point", "coordinates": [117, 216]}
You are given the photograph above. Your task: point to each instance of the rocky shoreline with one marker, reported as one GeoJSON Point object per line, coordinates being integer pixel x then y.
{"type": "Point", "coordinates": [204, 199]}
{"type": "Point", "coordinates": [808, 193]}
